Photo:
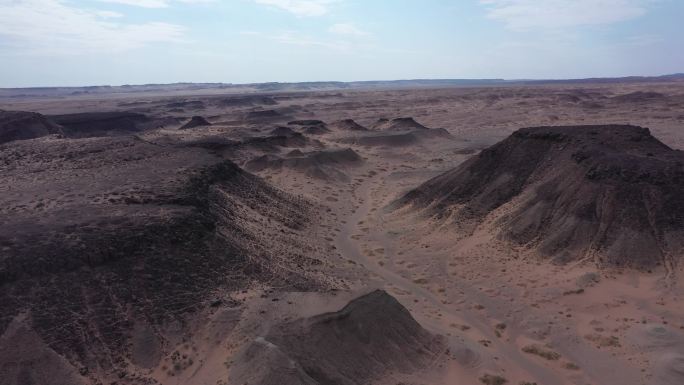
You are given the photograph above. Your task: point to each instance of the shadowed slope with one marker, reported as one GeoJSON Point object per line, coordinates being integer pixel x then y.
{"type": "Point", "coordinates": [18, 125]}
{"type": "Point", "coordinates": [326, 165]}
{"type": "Point", "coordinates": [347, 125]}
{"type": "Point", "coordinates": [612, 192]}
{"type": "Point", "coordinates": [92, 124]}
{"type": "Point", "coordinates": [130, 232]}
{"type": "Point", "coordinates": [196, 121]}
{"type": "Point", "coordinates": [398, 124]}
{"type": "Point", "coordinates": [372, 336]}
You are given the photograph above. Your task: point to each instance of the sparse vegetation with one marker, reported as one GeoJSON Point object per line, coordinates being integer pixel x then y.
{"type": "Point", "coordinates": [541, 352]}
{"type": "Point", "coordinates": [161, 256]}
{"type": "Point", "coordinates": [490, 379]}
{"type": "Point", "coordinates": [603, 341]}
{"type": "Point", "coordinates": [571, 292]}
{"type": "Point", "coordinates": [499, 329]}
{"type": "Point", "coordinates": [460, 327]}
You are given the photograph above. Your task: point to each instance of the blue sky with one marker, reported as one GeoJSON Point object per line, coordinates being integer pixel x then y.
{"type": "Point", "coordinates": [92, 42]}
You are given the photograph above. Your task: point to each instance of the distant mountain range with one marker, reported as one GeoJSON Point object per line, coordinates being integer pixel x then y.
{"type": "Point", "coordinates": [210, 88]}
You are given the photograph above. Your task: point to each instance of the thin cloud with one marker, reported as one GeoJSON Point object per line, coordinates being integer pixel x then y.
{"type": "Point", "coordinates": [294, 38]}
{"type": "Point", "coordinates": [528, 14]}
{"type": "Point", "coordinates": [644, 40]}
{"type": "Point", "coordinates": [347, 29]}
{"type": "Point", "coordinates": [154, 3]}
{"type": "Point", "coordinates": [50, 27]}
{"type": "Point", "coordinates": [140, 3]}
{"type": "Point", "coordinates": [301, 8]}
{"type": "Point", "coordinates": [108, 14]}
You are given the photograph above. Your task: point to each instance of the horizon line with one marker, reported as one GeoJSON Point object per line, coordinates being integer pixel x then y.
{"type": "Point", "coordinates": [675, 75]}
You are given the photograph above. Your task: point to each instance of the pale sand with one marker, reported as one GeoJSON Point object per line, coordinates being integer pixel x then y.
{"type": "Point", "coordinates": [496, 305]}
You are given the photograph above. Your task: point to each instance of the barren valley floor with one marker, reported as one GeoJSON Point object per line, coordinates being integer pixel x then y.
{"type": "Point", "coordinates": [322, 222]}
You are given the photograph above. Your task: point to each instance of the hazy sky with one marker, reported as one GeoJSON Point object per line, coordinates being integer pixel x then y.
{"type": "Point", "coordinates": [89, 42]}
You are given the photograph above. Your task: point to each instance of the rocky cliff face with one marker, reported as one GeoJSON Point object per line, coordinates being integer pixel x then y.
{"type": "Point", "coordinates": [20, 125]}
{"type": "Point", "coordinates": [608, 192]}
{"type": "Point", "coordinates": [371, 337]}
{"type": "Point", "coordinates": [102, 235]}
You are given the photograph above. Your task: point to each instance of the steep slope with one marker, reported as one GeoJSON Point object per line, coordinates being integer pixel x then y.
{"type": "Point", "coordinates": [372, 337]}
{"type": "Point", "coordinates": [326, 165]}
{"type": "Point", "coordinates": [274, 143]}
{"type": "Point", "coordinates": [260, 116]}
{"type": "Point", "coordinates": [347, 125]}
{"type": "Point", "coordinates": [195, 121]}
{"type": "Point", "coordinates": [93, 124]}
{"type": "Point", "coordinates": [131, 236]}
{"type": "Point", "coordinates": [311, 127]}
{"type": "Point", "coordinates": [244, 101]}
{"type": "Point", "coordinates": [18, 125]}
{"type": "Point", "coordinates": [282, 131]}
{"type": "Point", "coordinates": [612, 193]}
{"type": "Point", "coordinates": [398, 124]}
{"type": "Point", "coordinates": [397, 139]}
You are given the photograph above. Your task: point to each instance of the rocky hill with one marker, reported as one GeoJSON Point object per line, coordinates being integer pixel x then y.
{"type": "Point", "coordinates": [129, 238]}
{"type": "Point", "coordinates": [372, 337]}
{"type": "Point", "coordinates": [610, 193]}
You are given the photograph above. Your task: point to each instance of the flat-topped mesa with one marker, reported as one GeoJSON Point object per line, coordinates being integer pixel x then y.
{"type": "Point", "coordinates": [312, 127]}
{"type": "Point", "coordinates": [282, 131]}
{"type": "Point", "coordinates": [326, 165]}
{"type": "Point", "coordinates": [265, 116]}
{"type": "Point", "coordinates": [310, 122]}
{"type": "Point", "coordinates": [372, 337]}
{"type": "Point", "coordinates": [21, 125]}
{"type": "Point", "coordinates": [147, 230]}
{"type": "Point", "coordinates": [613, 193]}
{"type": "Point", "coordinates": [107, 123]}
{"type": "Point", "coordinates": [398, 124]}
{"type": "Point", "coordinates": [196, 121]}
{"type": "Point", "coordinates": [347, 125]}
{"type": "Point", "coordinates": [398, 138]}
{"type": "Point", "coordinates": [269, 143]}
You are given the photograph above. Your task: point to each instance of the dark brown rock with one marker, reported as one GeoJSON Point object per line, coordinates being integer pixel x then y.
{"type": "Point", "coordinates": [611, 192]}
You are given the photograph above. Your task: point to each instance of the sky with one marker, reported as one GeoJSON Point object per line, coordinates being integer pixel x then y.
{"type": "Point", "coordinates": [100, 42]}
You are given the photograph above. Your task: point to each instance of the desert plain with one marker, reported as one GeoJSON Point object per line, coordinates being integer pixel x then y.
{"type": "Point", "coordinates": [407, 235]}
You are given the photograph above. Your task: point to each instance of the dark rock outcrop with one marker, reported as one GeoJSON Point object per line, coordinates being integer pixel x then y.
{"type": "Point", "coordinates": [327, 165]}
{"type": "Point", "coordinates": [273, 143]}
{"type": "Point", "coordinates": [311, 127]}
{"type": "Point", "coordinates": [189, 104]}
{"type": "Point", "coordinates": [94, 124]}
{"type": "Point", "coordinates": [398, 124]}
{"type": "Point", "coordinates": [398, 139]}
{"type": "Point", "coordinates": [347, 125]}
{"type": "Point", "coordinates": [245, 101]}
{"type": "Point", "coordinates": [265, 116]}
{"type": "Point", "coordinates": [370, 338]}
{"type": "Point", "coordinates": [20, 125]}
{"type": "Point", "coordinates": [282, 131]}
{"type": "Point", "coordinates": [195, 121]}
{"type": "Point", "coordinates": [612, 193]}
{"type": "Point", "coordinates": [640, 97]}
{"type": "Point", "coordinates": [130, 229]}
{"type": "Point", "coordinates": [311, 122]}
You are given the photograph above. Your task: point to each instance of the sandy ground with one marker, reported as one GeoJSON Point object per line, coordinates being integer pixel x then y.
{"type": "Point", "coordinates": [509, 317]}
{"type": "Point", "coordinates": [506, 313]}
